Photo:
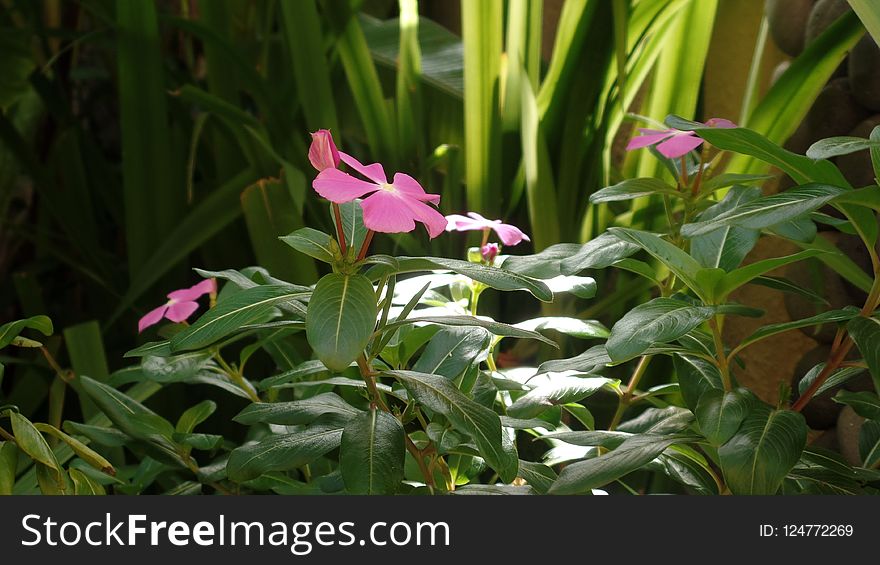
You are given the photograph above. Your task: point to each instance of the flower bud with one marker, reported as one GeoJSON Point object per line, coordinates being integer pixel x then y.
{"type": "Point", "coordinates": [489, 252]}
{"type": "Point", "coordinates": [322, 152]}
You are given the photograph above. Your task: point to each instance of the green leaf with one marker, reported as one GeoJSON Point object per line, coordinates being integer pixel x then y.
{"type": "Point", "coordinates": [32, 442]}
{"type": "Point", "coordinates": [10, 330]}
{"type": "Point", "coordinates": [194, 416]}
{"type": "Point", "coordinates": [575, 327]}
{"type": "Point", "coordinates": [631, 455]}
{"type": "Point", "coordinates": [865, 332]}
{"type": "Point", "coordinates": [539, 476]}
{"type": "Point", "coordinates": [302, 370]}
{"type": "Point", "coordinates": [570, 258]}
{"type": "Point", "coordinates": [499, 279]}
{"type": "Point", "coordinates": [297, 412]}
{"type": "Point", "coordinates": [743, 275]}
{"type": "Point", "coordinates": [452, 350]}
{"type": "Point", "coordinates": [659, 321]}
{"type": "Point", "coordinates": [313, 243]}
{"type": "Point", "coordinates": [869, 444]}
{"type": "Point", "coordinates": [696, 376]}
{"type": "Point", "coordinates": [8, 466]}
{"type": "Point", "coordinates": [247, 306]}
{"type": "Point", "coordinates": [868, 197]}
{"type": "Point", "coordinates": [497, 328]}
{"type": "Point", "coordinates": [837, 146]}
{"type": "Point", "coordinates": [84, 485]}
{"type": "Point", "coordinates": [633, 188]}
{"type": "Point", "coordinates": [720, 414]}
{"type": "Point", "coordinates": [726, 248]}
{"type": "Point", "coordinates": [590, 359]}
{"type": "Point", "coordinates": [341, 318]}
{"type": "Point", "coordinates": [769, 210]}
{"type": "Point", "coordinates": [759, 456]}
{"type": "Point", "coordinates": [866, 404]}
{"type": "Point", "coordinates": [764, 332]}
{"type": "Point", "coordinates": [353, 227]}
{"type": "Point", "coordinates": [83, 451]}
{"type": "Point", "coordinates": [730, 179]}
{"type": "Point", "coordinates": [559, 389]}
{"type": "Point", "coordinates": [108, 437]}
{"type": "Point", "coordinates": [282, 452]}
{"type": "Point", "coordinates": [127, 414]}
{"type": "Point", "coordinates": [683, 265]}
{"type": "Point", "coordinates": [372, 452]}
{"type": "Point", "coordinates": [481, 423]}
{"type": "Point", "coordinates": [834, 380]}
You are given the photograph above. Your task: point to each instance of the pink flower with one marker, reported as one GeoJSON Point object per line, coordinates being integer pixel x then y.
{"type": "Point", "coordinates": [322, 152]}
{"type": "Point", "coordinates": [673, 143]}
{"type": "Point", "coordinates": [509, 235]}
{"type": "Point", "coordinates": [392, 207]}
{"type": "Point", "coordinates": [180, 306]}
{"type": "Point", "coordinates": [489, 252]}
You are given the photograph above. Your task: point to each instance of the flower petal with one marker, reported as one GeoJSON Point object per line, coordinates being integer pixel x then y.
{"type": "Point", "coordinates": [434, 221]}
{"type": "Point", "coordinates": [151, 318]}
{"type": "Point", "coordinates": [509, 235]}
{"type": "Point", "coordinates": [411, 187]}
{"type": "Point", "coordinates": [457, 222]}
{"type": "Point", "coordinates": [339, 187]}
{"type": "Point", "coordinates": [679, 145]}
{"type": "Point", "coordinates": [485, 221]}
{"type": "Point", "coordinates": [374, 172]}
{"type": "Point", "coordinates": [720, 123]}
{"type": "Point", "coordinates": [648, 137]}
{"type": "Point", "coordinates": [180, 311]}
{"type": "Point", "coordinates": [386, 212]}
{"type": "Point", "coordinates": [207, 286]}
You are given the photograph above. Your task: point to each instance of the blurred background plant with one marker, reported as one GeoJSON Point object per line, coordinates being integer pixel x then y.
{"type": "Point", "coordinates": [140, 138]}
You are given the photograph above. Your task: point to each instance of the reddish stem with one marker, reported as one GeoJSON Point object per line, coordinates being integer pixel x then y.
{"type": "Point", "coordinates": [366, 246]}
{"type": "Point", "coordinates": [340, 232]}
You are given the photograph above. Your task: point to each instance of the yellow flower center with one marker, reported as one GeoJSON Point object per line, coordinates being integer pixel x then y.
{"type": "Point", "coordinates": [388, 186]}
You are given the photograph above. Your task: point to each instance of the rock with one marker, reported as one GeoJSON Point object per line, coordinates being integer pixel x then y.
{"type": "Point", "coordinates": [814, 275]}
{"type": "Point", "coordinates": [788, 23]}
{"type": "Point", "coordinates": [823, 14]}
{"type": "Point", "coordinates": [821, 412]}
{"type": "Point", "coordinates": [835, 112]}
{"type": "Point", "coordinates": [849, 424]}
{"type": "Point", "coordinates": [826, 440]}
{"type": "Point", "coordinates": [856, 167]}
{"type": "Point", "coordinates": [863, 69]}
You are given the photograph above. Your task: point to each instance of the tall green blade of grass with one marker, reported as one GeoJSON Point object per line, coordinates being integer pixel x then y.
{"type": "Point", "coordinates": [678, 75]}
{"type": "Point", "coordinates": [363, 81]}
{"type": "Point", "coordinates": [153, 196]}
{"type": "Point", "coordinates": [305, 47]}
{"type": "Point", "coordinates": [482, 26]}
{"type": "Point", "coordinates": [86, 351]}
{"type": "Point", "coordinates": [410, 118]}
{"type": "Point", "coordinates": [869, 12]}
{"type": "Point", "coordinates": [787, 102]}
{"type": "Point", "coordinates": [222, 82]}
{"type": "Point", "coordinates": [522, 57]}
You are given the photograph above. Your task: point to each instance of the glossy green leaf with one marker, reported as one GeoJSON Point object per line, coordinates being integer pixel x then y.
{"type": "Point", "coordinates": [759, 456]}
{"type": "Point", "coordinates": [499, 279]}
{"type": "Point", "coordinates": [558, 390]}
{"type": "Point", "coordinates": [633, 188]}
{"type": "Point", "coordinates": [769, 210]}
{"type": "Point", "coordinates": [830, 316]}
{"type": "Point", "coordinates": [8, 466]}
{"type": "Point", "coordinates": [195, 415]}
{"type": "Point", "coordinates": [371, 453]}
{"type": "Point", "coordinates": [726, 248]}
{"type": "Point", "coordinates": [341, 318]}
{"type": "Point", "coordinates": [696, 376]}
{"type": "Point", "coordinates": [127, 414]}
{"type": "Point", "coordinates": [282, 452]}
{"type": "Point", "coordinates": [865, 332]}
{"type": "Point", "coordinates": [83, 485]}
{"type": "Point", "coordinates": [629, 456]}
{"type": "Point", "coordinates": [743, 275]}
{"type": "Point", "coordinates": [869, 443]}
{"type": "Point", "coordinates": [539, 476]}
{"type": "Point", "coordinates": [837, 146]}
{"type": "Point", "coordinates": [83, 451]}
{"type": "Point", "coordinates": [720, 414]}
{"type": "Point", "coordinates": [659, 321]}
{"type": "Point", "coordinates": [313, 243]}
{"type": "Point", "coordinates": [297, 412]}
{"type": "Point", "coordinates": [497, 328]}
{"type": "Point", "coordinates": [683, 265]}
{"type": "Point", "coordinates": [10, 330]}
{"type": "Point", "coordinates": [590, 359]}
{"type": "Point", "coordinates": [584, 329]}
{"type": "Point", "coordinates": [866, 404]}
{"type": "Point", "coordinates": [244, 307]}
{"type": "Point", "coordinates": [32, 442]}
{"type": "Point", "coordinates": [482, 424]}
{"type": "Point", "coordinates": [452, 350]}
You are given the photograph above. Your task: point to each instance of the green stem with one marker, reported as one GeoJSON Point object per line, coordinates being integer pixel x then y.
{"type": "Point", "coordinates": [627, 397]}
{"type": "Point", "coordinates": [720, 355]}
{"type": "Point", "coordinates": [237, 377]}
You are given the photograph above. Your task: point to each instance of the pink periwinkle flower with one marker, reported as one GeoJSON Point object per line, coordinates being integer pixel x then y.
{"type": "Point", "coordinates": [508, 234]}
{"type": "Point", "coordinates": [489, 252]}
{"type": "Point", "coordinates": [322, 152]}
{"type": "Point", "coordinates": [391, 207]}
{"type": "Point", "coordinates": [180, 306]}
{"type": "Point", "coordinates": [674, 143]}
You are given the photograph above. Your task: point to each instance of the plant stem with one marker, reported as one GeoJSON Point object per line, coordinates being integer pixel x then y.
{"type": "Point", "coordinates": [629, 393]}
{"type": "Point", "coordinates": [340, 231]}
{"type": "Point", "coordinates": [237, 377]}
{"type": "Point", "coordinates": [366, 246]}
{"type": "Point", "coordinates": [721, 357]}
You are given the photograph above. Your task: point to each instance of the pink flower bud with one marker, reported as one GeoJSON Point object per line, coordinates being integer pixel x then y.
{"type": "Point", "coordinates": [489, 252]}
{"type": "Point", "coordinates": [322, 152]}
